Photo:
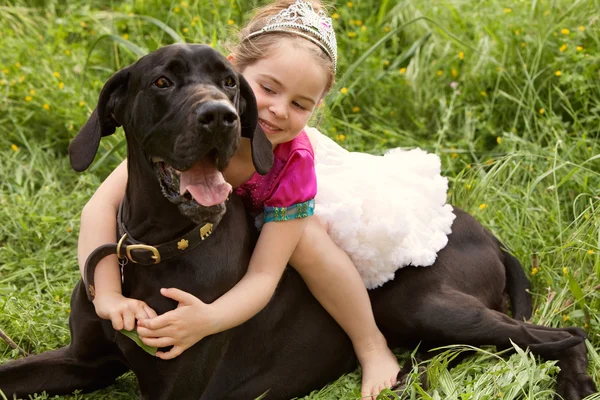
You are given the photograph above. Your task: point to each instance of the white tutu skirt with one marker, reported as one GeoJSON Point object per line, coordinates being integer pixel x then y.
{"type": "Point", "coordinates": [385, 212]}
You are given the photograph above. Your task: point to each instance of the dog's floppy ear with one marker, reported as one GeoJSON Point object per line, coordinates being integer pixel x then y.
{"type": "Point", "coordinates": [102, 122]}
{"type": "Point", "coordinates": [262, 149]}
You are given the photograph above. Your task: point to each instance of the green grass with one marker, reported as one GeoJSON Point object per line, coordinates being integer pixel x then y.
{"type": "Point", "coordinates": [517, 132]}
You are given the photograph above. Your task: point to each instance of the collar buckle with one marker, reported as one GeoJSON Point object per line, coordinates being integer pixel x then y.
{"type": "Point", "coordinates": [152, 249]}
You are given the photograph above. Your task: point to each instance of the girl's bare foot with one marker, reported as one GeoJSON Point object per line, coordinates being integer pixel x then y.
{"type": "Point", "coordinates": [379, 367]}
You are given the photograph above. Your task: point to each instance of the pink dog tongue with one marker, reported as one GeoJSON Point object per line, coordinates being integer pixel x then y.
{"type": "Point", "coordinates": [205, 183]}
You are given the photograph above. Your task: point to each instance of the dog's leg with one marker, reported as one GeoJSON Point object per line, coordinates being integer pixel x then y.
{"type": "Point", "coordinates": [90, 362]}
{"type": "Point", "coordinates": [57, 372]}
{"type": "Point", "coordinates": [449, 317]}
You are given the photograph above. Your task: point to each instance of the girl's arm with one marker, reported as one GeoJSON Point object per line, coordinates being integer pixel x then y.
{"type": "Point", "coordinates": [99, 223]}
{"type": "Point", "coordinates": [98, 227]}
{"type": "Point", "coordinates": [193, 320]}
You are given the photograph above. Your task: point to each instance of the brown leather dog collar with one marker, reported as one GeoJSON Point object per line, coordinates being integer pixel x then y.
{"type": "Point", "coordinates": [131, 250]}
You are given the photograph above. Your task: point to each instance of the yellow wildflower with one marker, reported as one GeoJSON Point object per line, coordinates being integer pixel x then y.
{"type": "Point", "coordinates": [590, 252]}
{"type": "Point", "coordinates": [523, 44]}
{"type": "Point", "coordinates": [2, 82]}
{"type": "Point", "coordinates": [230, 22]}
{"type": "Point", "coordinates": [358, 22]}
{"type": "Point", "coordinates": [185, 30]}
{"type": "Point", "coordinates": [461, 55]}
{"type": "Point", "coordinates": [68, 52]}
{"type": "Point", "coordinates": [402, 71]}
{"type": "Point", "coordinates": [517, 32]}
{"type": "Point", "coordinates": [507, 10]}
{"type": "Point", "coordinates": [196, 18]}
{"type": "Point", "coordinates": [558, 73]}
{"type": "Point", "coordinates": [468, 166]}
{"type": "Point", "coordinates": [565, 31]}
{"type": "Point", "coordinates": [56, 74]}
{"type": "Point", "coordinates": [125, 36]}
{"type": "Point", "coordinates": [340, 137]}
{"type": "Point", "coordinates": [498, 140]}
{"type": "Point", "coordinates": [386, 62]}
{"type": "Point", "coordinates": [349, 4]}
{"type": "Point", "coordinates": [14, 147]}
{"type": "Point", "coordinates": [83, 24]}
{"type": "Point", "coordinates": [46, 106]}
{"type": "Point", "coordinates": [57, 298]}
{"type": "Point", "coordinates": [468, 186]}
{"type": "Point", "coordinates": [177, 9]}
{"type": "Point", "coordinates": [563, 47]}
{"type": "Point", "coordinates": [566, 318]}
{"type": "Point", "coordinates": [5, 71]}
{"type": "Point", "coordinates": [355, 109]}
{"type": "Point", "coordinates": [363, 28]}
{"type": "Point", "coordinates": [61, 85]}
{"type": "Point", "coordinates": [534, 271]}
{"type": "Point", "coordinates": [28, 98]}
{"type": "Point", "coordinates": [582, 28]}
{"type": "Point", "coordinates": [565, 270]}
{"type": "Point", "coordinates": [335, 16]}
{"type": "Point", "coordinates": [482, 206]}
{"type": "Point", "coordinates": [18, 64]}
{"type": "Point", "coordinates": [344, 90]}
{"type": "Point", "coordinates": [483, 93]}
{"type": "Point", "coordinates": [454, 155]}
{"type": "Point", "coordinates": [81, 103]}
{"type": "Point", "coordinates": [454, 72]}
{"type": "Point", "coordinates": [183, 4]}
{"type": "Point", "coordinates": [579, 48]}
{"type": "Point", "coordinates": [439, 72]}
{"type": "Point", "coordinates": [351, 34]}
{"type": "Point", "coordinates": [542, 111]}
{"type": "Point", "coordinates": [21, 78]}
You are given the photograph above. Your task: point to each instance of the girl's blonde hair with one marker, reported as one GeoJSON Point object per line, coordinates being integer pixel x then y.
{"type": "Point", "coordinates": [249, 51]}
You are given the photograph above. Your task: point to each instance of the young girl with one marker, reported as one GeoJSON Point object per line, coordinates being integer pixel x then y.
{"type": "Point", "coordinates": [288, 55]}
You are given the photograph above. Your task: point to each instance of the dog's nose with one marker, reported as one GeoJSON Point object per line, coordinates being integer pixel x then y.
{"type": "Point", "coordinates": [216, 115]}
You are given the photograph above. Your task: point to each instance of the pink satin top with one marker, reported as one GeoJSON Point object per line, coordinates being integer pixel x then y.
{"type": "Point", "coordinates": [289, 189]}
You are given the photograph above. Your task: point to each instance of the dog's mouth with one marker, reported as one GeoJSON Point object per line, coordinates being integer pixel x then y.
{"type": "Point", "coordinates": [202, 183]}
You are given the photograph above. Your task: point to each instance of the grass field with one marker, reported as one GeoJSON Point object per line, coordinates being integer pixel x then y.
{"type": "Point", "coordinates": [507, 93]}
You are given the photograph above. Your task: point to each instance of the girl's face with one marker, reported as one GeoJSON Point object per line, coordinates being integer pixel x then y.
{"type": "Point", "coordinates": [288, 85]}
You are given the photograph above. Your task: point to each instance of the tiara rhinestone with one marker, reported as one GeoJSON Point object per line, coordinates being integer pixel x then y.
{"type": "Point", "coordinates": [301, 18]}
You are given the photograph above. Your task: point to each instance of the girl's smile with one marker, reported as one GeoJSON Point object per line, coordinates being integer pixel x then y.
{"type": "Point", "coordinates": [268, 127]}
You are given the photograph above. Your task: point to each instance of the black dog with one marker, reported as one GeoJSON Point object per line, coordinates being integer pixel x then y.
{"type": "Point", "coordinates": [183, 107]}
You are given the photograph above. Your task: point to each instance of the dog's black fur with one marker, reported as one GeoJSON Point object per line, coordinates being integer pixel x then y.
{"type": "Point", "coordinates": [292, 346]}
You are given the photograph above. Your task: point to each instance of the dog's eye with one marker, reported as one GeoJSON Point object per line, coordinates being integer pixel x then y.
{"type": "Point", "coordinates": [229, 82]}
{"type": "Point", "coordinates": [162, 82]}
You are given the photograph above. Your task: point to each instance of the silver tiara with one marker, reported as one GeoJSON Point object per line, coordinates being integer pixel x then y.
{"type": "Point", "coordinates": [301, 19]}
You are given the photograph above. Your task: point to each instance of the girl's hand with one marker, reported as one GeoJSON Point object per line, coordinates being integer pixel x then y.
{"type": "Point", "coordinates": [120, 310]}
{"type": "Point", "coordinates": [182, 327]}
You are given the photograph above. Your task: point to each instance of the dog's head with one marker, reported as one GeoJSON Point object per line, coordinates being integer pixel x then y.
{"type": "Point", "coordinates": [186, 108]}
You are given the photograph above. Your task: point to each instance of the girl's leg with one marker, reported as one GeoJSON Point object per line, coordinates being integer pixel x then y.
{"type": "Point", "coordinates": [334, 281]}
